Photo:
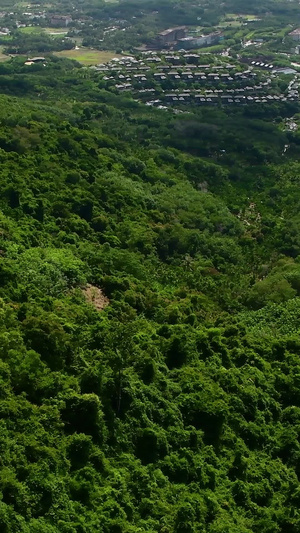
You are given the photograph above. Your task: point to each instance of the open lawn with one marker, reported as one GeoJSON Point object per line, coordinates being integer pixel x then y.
{"type": "Point", "coordinates": [20, 5]}
{"type": "Point", "coordinates": [3, 57]}
{"type": "Point", "coordinates": [233, 20]}
{"type": "Point", "coordinates": [249, 36]}
{"type": "Point", "coordinates": [236, 16]}
{"type": "Point", "coordinates": [211, 49]}
{"type": "Point", "coordinates": [87, 56]}
{"type": "Point", "coordinates": [230, 24]}
{"type": "Point", "coordinates": [31, 29]}
{"type": "Point", "coordinates": [56, 31]}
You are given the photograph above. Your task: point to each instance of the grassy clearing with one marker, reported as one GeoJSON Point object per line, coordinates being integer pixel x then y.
{"type": "Point", "coordinates": [212, 49]}
{"type": "Point", "coordinates": [236, 16]}
{"type": "Point", "coordinates": [87, 56]}
{"type": "Point", "coordinates": [50, 31]}
{"type": "Point", "coordinates": [56, 31]}
{"type": "Point", "coordinates": [3, 57]}
{"type": "Point", "coordinates": [230, 24]}
{"type": "Point", "coordinates": [249, 36]}
{"type": "Point", "coordinates": [31, 29]}
{"type": "Point", "coordinates": [233, 20]}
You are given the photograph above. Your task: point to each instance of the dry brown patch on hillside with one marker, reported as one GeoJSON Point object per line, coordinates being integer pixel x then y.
{"type": "Point", "coordinates": [95, 296]}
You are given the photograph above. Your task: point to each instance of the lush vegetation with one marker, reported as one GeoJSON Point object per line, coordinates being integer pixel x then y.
{"type": "Point", "coordinates": [127, 24]}
{"type": "Point", "coordinates": [175, 408]}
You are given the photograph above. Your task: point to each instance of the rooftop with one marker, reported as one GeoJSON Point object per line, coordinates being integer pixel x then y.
{"type": "Point", "coordinates": [170, 30]}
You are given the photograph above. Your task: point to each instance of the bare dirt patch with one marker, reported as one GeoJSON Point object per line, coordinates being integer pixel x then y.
{"type": "Point", "coordinates": [95, 296]}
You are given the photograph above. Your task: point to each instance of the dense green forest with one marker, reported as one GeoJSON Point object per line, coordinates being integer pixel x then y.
{"type": "Point", "coordinates": [150, 316]}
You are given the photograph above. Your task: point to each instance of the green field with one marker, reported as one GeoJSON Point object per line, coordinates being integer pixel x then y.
{"type": "Point", "coordinates": [236, 16]}
{"type": "Point", "coordinates": [212, 49]}
{"type": "Point", "coordinates": [50, 31]}
{"type": "Point", "coordinates": [230, 24]}
{"type": "Point", "coordinates": [3, 57]}
{"type": "Point", "coordinates": [20, 5]}
{"type": "Point", "coordinates": [249, 36]}
{"type": "Point", "coordinates": [32, 29]}
{"type": "Point", "coordinates": [234, 20]}
{"type": "Point", "coordinates": [87, 56]}
{"type": "Point", "coordinates": [55, 31]}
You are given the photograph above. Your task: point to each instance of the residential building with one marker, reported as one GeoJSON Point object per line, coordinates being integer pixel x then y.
{"type": "Point", "coordinates": [60, 21]}
{"type": "Point", "coordinates": [188, 43]}
{"type": "Point", "coordinates": [295, 34]}
{"type": "Point", "coordinates": [171, 35]}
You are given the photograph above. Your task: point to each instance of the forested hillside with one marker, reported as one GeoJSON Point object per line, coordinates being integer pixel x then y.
{"type": "Point", "coordinates": [150, 315]}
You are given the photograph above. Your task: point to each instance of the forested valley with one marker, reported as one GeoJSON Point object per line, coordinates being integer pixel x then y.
{"type": "Point", "coordinates": [150, 311]}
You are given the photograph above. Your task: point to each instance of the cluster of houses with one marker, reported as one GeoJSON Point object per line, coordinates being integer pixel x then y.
{"type": "Point", "coordinates": [256, 93]}
{"type": "Point", "coordinates": [202, 77]}
{"type": "Point", "coordinates": [206, 100]}
{"type": "Point", "coordinates": [166, 80]}
{"type": "Point", "coordinates": [239, 80]}
{"type": "Point", "coordinates": [165, 62]}
{"type": "Point", "coordinates": [54, 20]}
{"type": "Point", "coordinates": [132, 74]}
{"type": "Point", "coordinates": [217, 99]}
{"type": "Point", "coordinates": [260, 64]}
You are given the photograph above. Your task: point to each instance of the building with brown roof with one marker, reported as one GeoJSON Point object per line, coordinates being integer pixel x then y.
{"type": "Point", "coordinates": [60, 21]}
{"type": "Point", "coordinates": [171, 35]}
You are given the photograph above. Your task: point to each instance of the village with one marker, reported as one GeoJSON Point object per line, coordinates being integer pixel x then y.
{"type": "Point", "coordinates": [179, 66]}
{"type": "Point", "coordinates": [179, 78]}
